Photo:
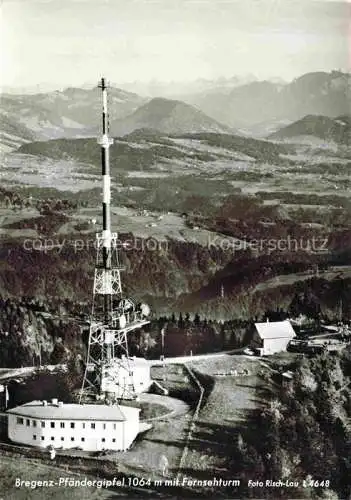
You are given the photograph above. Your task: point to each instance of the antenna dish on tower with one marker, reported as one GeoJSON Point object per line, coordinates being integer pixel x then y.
{"type": "Point", "coordinates": [145, 310]}
{"type": "Point", "coordinates": [122, 321]}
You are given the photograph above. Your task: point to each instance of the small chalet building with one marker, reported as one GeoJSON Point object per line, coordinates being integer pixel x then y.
{"type": "Point", "coordinates": [89, 427]}
{"type": "Point", "coordinates": [272, 337]}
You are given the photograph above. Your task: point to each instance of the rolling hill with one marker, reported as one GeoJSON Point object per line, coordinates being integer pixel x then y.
{"type": "Point", "coordinates": [167, 116]}
{"type": "Point", "coordinates": [13, 134]}
{"type": "Point", "coordinates": [318, 93]}
{"type": "Point", "coordinates": [330, 129]}
{"type": "Point", "coordinates": [72, 112]}
{"type": "Point", "coordinates": [145, 148]}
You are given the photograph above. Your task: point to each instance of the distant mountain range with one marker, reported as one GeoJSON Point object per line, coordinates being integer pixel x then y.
{"type": "Point", "coordinates": [176, 90]}
{"type": "Point", "coordinates": [257, 108]}
{"type": "Point", "coordinates": [167, 116]}
{"type": "Point", "coordinates": [248, 105]}
{"type": "Point", "coordinates": [330, 129]}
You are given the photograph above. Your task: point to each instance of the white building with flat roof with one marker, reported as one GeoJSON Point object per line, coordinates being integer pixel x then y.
{"type": "Point", "coordinates": [89, 427]}
{"type": "Point", "coordinates": [272, 336]}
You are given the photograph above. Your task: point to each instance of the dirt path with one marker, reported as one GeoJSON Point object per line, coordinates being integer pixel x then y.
{"type": "Point", "coordinates": [176, 407]}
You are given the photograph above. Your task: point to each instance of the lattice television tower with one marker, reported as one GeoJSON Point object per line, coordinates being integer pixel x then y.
{"type": "Point", "coordinates": [108, 371]}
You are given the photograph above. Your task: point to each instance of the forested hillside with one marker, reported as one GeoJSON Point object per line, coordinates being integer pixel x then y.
{"type": "Point", "coordinates": [305, 433]}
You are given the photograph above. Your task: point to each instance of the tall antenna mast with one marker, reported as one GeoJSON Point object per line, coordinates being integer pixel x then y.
{"type": "Point", "coordinates": [108, 373]}
{"type": "Point", "coordinates": [105, 143]}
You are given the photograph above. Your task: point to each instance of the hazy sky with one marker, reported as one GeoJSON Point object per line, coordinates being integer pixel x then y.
{"type": "Point", "coordinates": [70, 42]}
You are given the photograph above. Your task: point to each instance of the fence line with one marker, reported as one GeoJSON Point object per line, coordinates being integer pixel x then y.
{"type": "Point", "coordinates": [193, 420]}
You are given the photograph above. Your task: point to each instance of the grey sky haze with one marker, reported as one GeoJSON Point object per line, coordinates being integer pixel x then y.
{"type": "Point", "coordinates": [71, 42]}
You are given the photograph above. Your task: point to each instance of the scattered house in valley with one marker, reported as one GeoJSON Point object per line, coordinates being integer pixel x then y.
{"type": "Point", "coordinates": [287, 379]}
{"type": "Point", "coordinates": [272, 337]}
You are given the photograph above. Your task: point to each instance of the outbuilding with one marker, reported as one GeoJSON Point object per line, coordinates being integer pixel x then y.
{"type": "Point", "coordinates": [90, 427]}
{"type": "Point", "coordinates": [125, 377]}
{"type": "Point", "coordinates": [272, 337]}
{"type": "Point", "coordinates": [4, 397]}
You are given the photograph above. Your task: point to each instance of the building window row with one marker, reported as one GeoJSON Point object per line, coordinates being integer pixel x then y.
{"type": "Point", "coordinates": [62, 425]}
{"type": "Point", "coordinates": [72, 425]}
{"type": "Point", "coordinates": [20, 421]}
{"type": "Point", "coordinates": [52, 438]}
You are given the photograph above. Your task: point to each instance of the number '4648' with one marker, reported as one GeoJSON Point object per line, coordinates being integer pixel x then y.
{"type": "Point", "coordinates": [315, 483]}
